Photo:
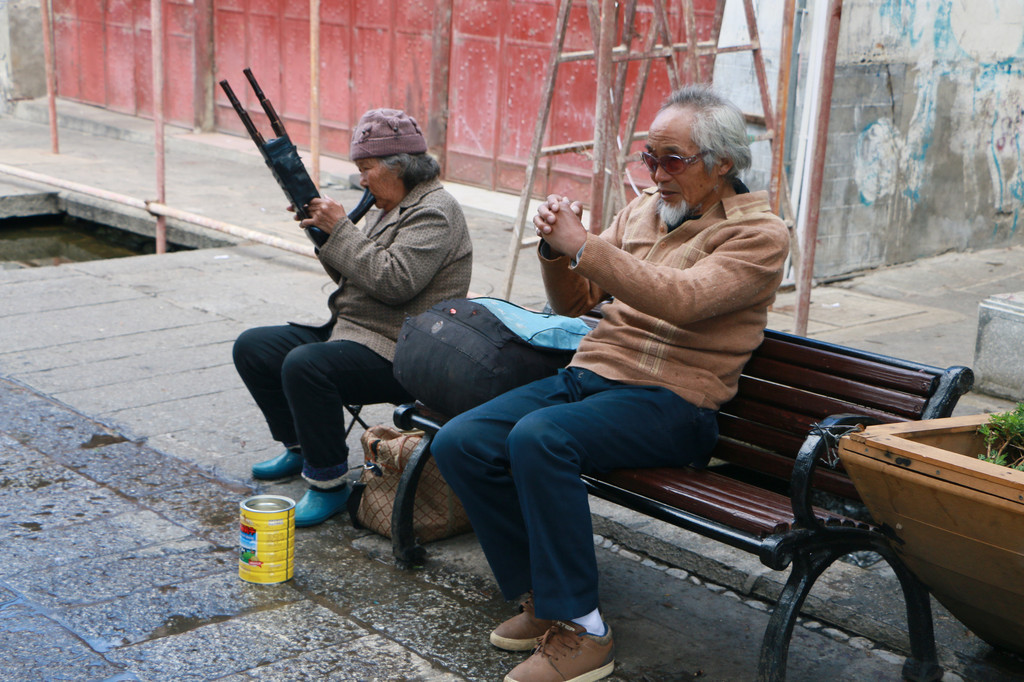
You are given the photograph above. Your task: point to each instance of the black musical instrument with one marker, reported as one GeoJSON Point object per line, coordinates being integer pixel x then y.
{"type": "Point", "coordinates": [283, 160]}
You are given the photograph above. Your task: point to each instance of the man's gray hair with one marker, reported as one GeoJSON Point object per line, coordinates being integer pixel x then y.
{"type": "Point", "coordinates": [719, 129]}
{"type": "Point", "coordinates": [412, 168]}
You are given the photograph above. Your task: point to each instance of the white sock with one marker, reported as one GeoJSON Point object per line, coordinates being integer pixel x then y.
{"type": "Point", "coordinates": [593, 623]}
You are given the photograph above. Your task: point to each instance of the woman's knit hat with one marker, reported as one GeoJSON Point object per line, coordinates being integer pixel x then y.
{"type": "Point", "coordinates": [383, 132]}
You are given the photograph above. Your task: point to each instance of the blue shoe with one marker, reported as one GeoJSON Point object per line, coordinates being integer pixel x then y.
{"type": "Point", "coordinates": [316, 506]}
{"type": "Point", "coordinates": [288, 463]}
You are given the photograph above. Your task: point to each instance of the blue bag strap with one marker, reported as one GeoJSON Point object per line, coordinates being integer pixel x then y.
{"type": "Point", "coordinates": [543, 330]}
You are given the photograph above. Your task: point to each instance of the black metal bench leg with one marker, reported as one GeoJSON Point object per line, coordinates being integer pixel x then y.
{"type": "Point", "coordinates": [407, 552]}
{"type": "Point", "coordinates": [922, 665]}
{"type": "Point", "coordinates": [806, 569]}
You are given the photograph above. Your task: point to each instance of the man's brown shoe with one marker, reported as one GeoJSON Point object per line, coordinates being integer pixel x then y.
{"type": "Point", "coordinates": [566, 653]}
{"type": "Point", "coordinates": [521, 632]}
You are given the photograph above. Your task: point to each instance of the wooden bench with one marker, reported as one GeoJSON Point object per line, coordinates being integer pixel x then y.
{"type": "Point", "coordinates": [777, 449]}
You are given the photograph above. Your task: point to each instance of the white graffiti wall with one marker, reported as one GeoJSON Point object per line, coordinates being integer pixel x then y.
{"type": "Point", "coordinates": [939, 138]}
{"type": "Point", "coordinates": [926, 127]}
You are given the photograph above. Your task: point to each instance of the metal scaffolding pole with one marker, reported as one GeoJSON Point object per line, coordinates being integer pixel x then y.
{"type": "Point", "coordinates": [782, 106]}
{"type": "Point", "coordinates": [51, 74]}
{"type": "Point", "coordinates": [810, 235]}
{"type": "Point", "coordinates": [314, 90]}
{"type": "Point", "coordinates": [157, 40]}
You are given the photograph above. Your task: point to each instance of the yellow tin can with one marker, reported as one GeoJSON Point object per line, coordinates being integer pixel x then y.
{"type": "Point", "coordinates": [267, 538]}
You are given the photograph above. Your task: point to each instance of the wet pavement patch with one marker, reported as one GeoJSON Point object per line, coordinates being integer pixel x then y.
{"type": "Point", "coordinates": [173, 609]}
{"type": "Point", "coordinates": [36, 548]}
{"type": "Point", "coordinates": [98, 440]}
{"type": "Point", "coordinates": [37, 648]}
{"type": "Point", "coordinates": [70, 580]}
{"type": "Point", "coordinates": [44, 425]}
{"type": "Point", "coordinates": [232, 646]}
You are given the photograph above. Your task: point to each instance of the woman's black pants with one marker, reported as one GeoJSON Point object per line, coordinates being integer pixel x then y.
{"type": "Point", "coordinates": [302, 382]}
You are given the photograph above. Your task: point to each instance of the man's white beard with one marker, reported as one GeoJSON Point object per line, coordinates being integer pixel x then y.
{"type": "Point", "coordinates": [673, 214]}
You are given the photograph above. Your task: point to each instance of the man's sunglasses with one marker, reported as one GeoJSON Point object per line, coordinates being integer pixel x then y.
{"type": "Point", "coordinates": [672, 163]}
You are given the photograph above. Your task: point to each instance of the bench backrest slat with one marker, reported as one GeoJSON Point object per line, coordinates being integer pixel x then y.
{"type": "Point", "coordinates": [781, 467]}
{"type": "Point", "coordinates": [877, 370]}
{"type": "Point", "coordinates": [815, 405]}
{"type": "Point", "coordinates": [792, 383]}
{"type": "Point", "coordinates": [852, 390]}
{"type": "Point", "coordinates": [759, 433]}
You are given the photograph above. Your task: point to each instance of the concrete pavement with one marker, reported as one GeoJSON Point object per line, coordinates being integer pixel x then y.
{"type": "Point", "coordinates": [127, 439]}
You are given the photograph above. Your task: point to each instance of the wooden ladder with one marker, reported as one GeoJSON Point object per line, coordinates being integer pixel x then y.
{"type": "Point", "coordinates": [612, 56]}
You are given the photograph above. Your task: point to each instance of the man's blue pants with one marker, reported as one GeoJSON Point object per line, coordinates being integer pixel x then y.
{"type": "Point", "coordinates": [515, 463]}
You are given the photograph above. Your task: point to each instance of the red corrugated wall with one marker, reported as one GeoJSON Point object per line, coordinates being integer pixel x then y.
{"type": "Point", "coordinates": [373, 53]}
{"type": "Point", "coordinates": [104, 55]}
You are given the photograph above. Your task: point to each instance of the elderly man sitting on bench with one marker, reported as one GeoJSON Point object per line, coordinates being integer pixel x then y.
{"type": "Point", "coordinates": [692, 266]}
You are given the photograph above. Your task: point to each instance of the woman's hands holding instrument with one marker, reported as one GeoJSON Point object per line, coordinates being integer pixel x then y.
{"type": "Point", "coordinates": [323, 213]}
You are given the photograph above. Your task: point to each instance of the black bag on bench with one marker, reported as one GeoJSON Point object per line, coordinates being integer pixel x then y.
{"type": "Point", "coordinates": [463, 352]}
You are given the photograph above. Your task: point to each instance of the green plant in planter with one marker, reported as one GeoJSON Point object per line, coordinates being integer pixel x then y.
{"type": "Point", "coordinates": [1004, 438]}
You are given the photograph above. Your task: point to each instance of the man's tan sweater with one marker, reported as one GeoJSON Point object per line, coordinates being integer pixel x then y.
{"type": "Point", "coordinates": [689, 306]}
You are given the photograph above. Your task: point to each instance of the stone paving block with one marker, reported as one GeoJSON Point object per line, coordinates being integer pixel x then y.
{"type": "Point", "coordinates": [229, 410]}
{"type": "Point", "coordinates": [840, 309]}
{"type": "Point", "coordinates": [140, 272]}
{"type": "Point", "coordinates": [47, 426]}
{"type": "Point", "coordinates": [108, 577]}
{"type": "Point", "coordinates": [228, 455]}
{"type": "Point", "coordinates": [23, 275]}
{"type": "Point", "coordinates": [171, 610]}
{"type": "Point", "coordinates": [115, 372]}
{"type": "Point", "coordinates": [326, 565]}
{"type": "Point", "coordinates": [368, 658]}
{"type": "Point", "coordinates": [39, 296]}
{"type": "Point", "coordinates": [36, 648]}
{"type": "Point", "coordinates": [30, 550]}
{"type": "Point", "coordinates": [60, 506]}
{"type": "Point", "coordinates": [266, 291]}
{"type": "Point", "coordinates": [294, 285]}
{"type": "Point", "coordinates": [37, 494]}
{"type": "Point", "coordinates": [453, 633]}
{"type": "Point", "coordinates": [134, 470]}
{"type": "Point", "coordinates": [458, 566]}
{"type": "Point", "coordinates": [957, 281]}
{"type": "Point", "coordinates": [104, 320]}
{"type": "Point", "coordinates": [245, 642]}
{"type": "Point", "coordinates": [70, 358]}
{"type": "Point", "coordinates": [262, 313]}
{"type": "Point", "coordinates": [206, 507]}
{"type": "Point", "coordinates": [648, 612]}
{"type": "Point", "coordinates": [6, 596]}
{"type": "Point", "coordinates": [142, 390]}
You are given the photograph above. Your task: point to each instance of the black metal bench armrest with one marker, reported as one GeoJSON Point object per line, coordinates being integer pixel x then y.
{"type": "Point", "coordinates": [818, 445]}
{"type": "Point", "coordinates": [406, 549]}
{"type": "Point", "coordinates": [953, 382]}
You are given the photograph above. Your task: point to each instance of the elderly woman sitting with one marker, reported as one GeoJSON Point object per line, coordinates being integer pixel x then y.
{"type": "Point", "coordinates": [415, 252]}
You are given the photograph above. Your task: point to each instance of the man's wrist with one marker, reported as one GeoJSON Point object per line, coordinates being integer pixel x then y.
{"type": "Point", "coordinates": [576, 258]}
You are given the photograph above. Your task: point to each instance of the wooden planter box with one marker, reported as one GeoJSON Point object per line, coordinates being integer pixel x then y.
{"type": "Point", "coordinates": [959, 520]}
